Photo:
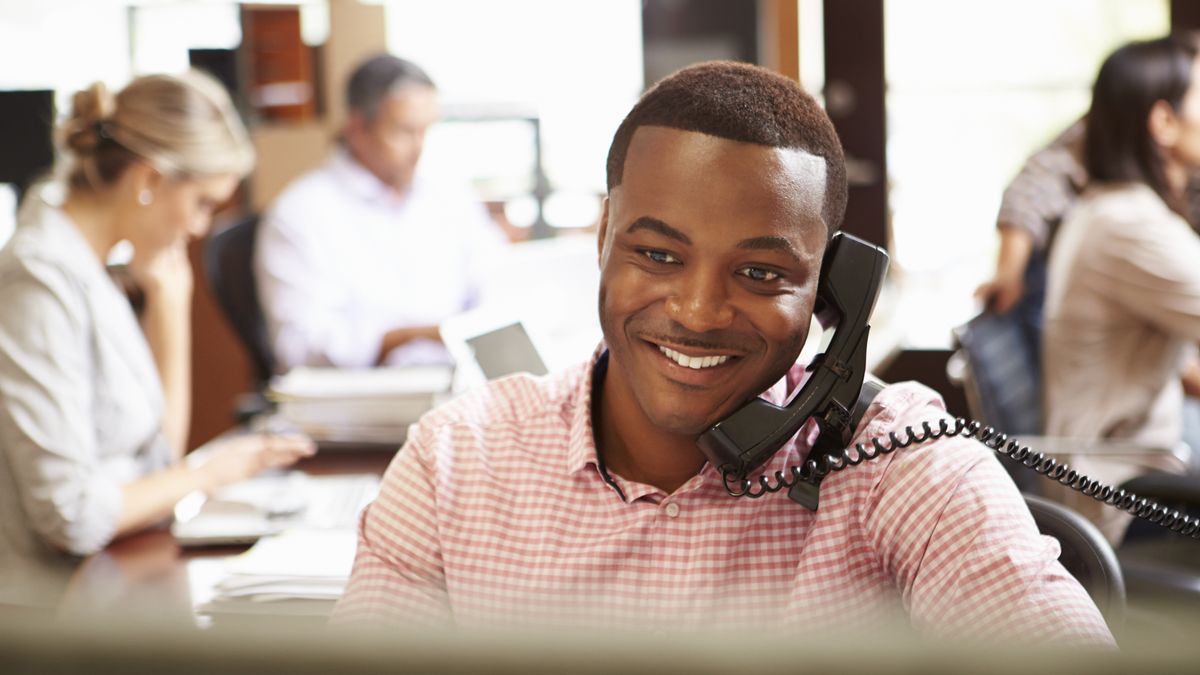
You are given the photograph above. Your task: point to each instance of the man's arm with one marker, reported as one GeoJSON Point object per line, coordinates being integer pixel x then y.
{"type": "Point", "coordinates": [398, 337]}
{"type": "Point", "coordinates": [987, 573]}
{"type": "Point", "coordinates": [398, 576]}
{"type": "Point", "coordinates": [954, 533]}
{"type": "Point", "coordinates": [310, 318]}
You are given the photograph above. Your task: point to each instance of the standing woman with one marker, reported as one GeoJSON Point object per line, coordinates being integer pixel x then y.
{"type": "Point", "coordinates": [1122, 314]}
{"type": "Point", "coordinates": [94, 403]}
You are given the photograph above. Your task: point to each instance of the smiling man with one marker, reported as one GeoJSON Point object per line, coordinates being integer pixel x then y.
{"type": "Point", "coordinates": [581, 500]}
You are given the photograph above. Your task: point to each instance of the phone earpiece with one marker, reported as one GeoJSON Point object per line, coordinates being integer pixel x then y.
{"type": "Point", "coordinates": [851, 274]}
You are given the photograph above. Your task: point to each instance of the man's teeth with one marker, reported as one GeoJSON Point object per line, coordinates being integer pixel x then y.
{"type": "Point", "coordinates": [696, 362]}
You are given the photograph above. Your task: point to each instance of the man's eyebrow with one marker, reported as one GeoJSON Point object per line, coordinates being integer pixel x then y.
{"type": "Point", "coordinates": [656, 225]}
{"type": "Point", "coordinates": [771, 243]}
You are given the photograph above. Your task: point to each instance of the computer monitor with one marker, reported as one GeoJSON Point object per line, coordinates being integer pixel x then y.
{"type": "Point", "coordinates": [26, 136]}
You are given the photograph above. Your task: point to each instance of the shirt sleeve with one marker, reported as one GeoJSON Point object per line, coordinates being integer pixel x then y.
{"type": "Point", "coordinates": [966, 554]}
{"type": "Point", "coordinates": [398, 576]}
{"type": "Point", "coordinates": [311, 320]}
{"type": "Point", "coordinates": [1151, 271]}
{"type": "Point", "coordinates": [1045, 188]}
{"type": "Point", "coordinates": [484, 242]}
{"type": "Point", "coordinates": [46, 420]}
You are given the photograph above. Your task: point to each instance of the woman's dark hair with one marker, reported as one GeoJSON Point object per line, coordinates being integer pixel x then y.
{"type": "Point", "coordinates": [1118, 146]}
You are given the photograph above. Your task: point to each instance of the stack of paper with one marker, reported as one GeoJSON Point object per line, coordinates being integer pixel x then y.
{"type": "Point", "coordinates": [295, 573]}
{"type": "Point", "coordinates": [374, 405]}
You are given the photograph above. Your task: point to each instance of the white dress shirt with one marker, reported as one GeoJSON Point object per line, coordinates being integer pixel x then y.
{"type": "Point", "coordinates": [81, 405]}
{"type": "Point", "coordinates": [341, 259]}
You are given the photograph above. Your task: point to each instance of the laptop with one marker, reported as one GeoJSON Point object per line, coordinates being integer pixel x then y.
{"type": "Point", "coordinates": [487, 344]}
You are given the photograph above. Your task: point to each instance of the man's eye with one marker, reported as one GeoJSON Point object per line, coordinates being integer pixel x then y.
{"type": "Point", "coordinates": [758, 274]}
{"type": "Point", "coordinates": [661, 257]}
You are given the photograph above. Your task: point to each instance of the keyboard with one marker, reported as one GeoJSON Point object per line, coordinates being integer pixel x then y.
{"type": "Point", "coordinates": [269, 504]}
{"type": "Point", "coordinates": [336, 501]}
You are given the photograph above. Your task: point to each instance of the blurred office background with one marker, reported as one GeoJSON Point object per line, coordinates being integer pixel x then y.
{"type": "Point", "coordinates": [938, 102]}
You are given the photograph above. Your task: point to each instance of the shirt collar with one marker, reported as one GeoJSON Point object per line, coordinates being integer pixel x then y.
{"type": "Point", "coordinates": [361, 181]}
{"type": "Point", "coordinates": [64, 236]}
{"type": "Point", "coordinates": [581, 451]}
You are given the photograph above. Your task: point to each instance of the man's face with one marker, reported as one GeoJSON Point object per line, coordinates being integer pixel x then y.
{"type": "Point", "coordinates": [390, 143]}
{"type": "Point", "coordinates": [709, 256]}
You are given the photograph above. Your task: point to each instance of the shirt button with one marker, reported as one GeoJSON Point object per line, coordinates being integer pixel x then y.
{"type": "Point", "coordinates": [672, 509]}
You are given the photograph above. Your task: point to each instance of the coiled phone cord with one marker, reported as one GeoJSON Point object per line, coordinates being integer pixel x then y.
{"type": "Point", "coordinates": [814, 470]}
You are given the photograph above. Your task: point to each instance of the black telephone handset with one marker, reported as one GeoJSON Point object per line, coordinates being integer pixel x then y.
{"type": "Point", "coordinates": [836, 397]}
{"type": "Point", "coordinates": [851, 273]}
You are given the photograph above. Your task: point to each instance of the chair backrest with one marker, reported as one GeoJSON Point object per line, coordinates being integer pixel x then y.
{"type": "Point", "coordinates": [1086, 554]}
{"type": "Point", "coordinates": [1003, 381]}
{"type": "Point", "coordinates": [229, 268]}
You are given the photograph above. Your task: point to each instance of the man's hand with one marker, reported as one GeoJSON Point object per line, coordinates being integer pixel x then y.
{"type": "Point", "coordinates": [401, 336]}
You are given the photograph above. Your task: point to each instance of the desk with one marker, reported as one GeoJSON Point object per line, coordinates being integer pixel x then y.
{"type": "Point", "coordinates": [149, 570]}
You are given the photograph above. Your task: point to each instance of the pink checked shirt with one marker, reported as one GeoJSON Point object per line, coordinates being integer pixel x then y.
{"type": "Point", "coordinates": [495, 514]}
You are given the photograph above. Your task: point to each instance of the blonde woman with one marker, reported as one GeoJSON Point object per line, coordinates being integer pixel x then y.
{"type": "Point", "coordinates": [93, 406]}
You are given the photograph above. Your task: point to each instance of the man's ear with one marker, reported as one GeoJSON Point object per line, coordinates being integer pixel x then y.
{"type": "Point", "coordinates": [354, 127]}
{"type": "Point", "coordinates": [1163, 124]}
{"type": "Point", "coordinates": [602, 230]}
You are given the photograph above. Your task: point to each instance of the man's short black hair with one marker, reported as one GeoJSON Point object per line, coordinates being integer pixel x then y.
{"type": "Point", "coordinates": [739, 102]}
{"type": "Point", "coordinates": [379, 76]}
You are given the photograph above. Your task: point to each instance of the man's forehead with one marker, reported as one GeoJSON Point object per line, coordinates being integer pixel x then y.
{"type": "Point", "coordinates": [656, 151]}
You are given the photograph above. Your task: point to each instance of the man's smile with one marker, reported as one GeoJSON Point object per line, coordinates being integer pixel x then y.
{"type": "Point", "coordinates": [692, 366]}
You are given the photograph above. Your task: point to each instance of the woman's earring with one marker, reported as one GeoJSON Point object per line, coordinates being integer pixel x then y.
{"type": "Point", "coordinates": [145, 198]}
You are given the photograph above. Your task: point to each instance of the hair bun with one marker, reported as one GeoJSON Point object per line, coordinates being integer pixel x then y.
{"type": "Point", "coordinates": [90, 108]}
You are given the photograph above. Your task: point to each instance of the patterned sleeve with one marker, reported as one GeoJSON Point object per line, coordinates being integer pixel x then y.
{"type": "Point", "coordinates": [1046, 187]}
{"type": "Point", "coordinates": [398, 577]}
{"type": "Point", "coordinates": [965, 552]}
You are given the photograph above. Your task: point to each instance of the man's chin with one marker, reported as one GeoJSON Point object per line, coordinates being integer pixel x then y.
{"type": "Point", "coordinates": [685, 424]}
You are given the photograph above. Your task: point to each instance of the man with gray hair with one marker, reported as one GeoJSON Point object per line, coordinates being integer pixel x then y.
{"type": "Point", "coordinates": [359, 261]}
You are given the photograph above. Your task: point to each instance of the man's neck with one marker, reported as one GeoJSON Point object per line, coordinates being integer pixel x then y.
{"type": "Point", "coordinates": [400, 189]}
{"type": "Point", "coordinates": [632, 447]}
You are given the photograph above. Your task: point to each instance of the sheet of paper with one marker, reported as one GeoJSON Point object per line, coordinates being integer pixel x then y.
{"type": "Point", "coordinates": [358, 383]}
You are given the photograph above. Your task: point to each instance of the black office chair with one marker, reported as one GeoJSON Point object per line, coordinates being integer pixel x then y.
{"type": "Point", "coordinates": [998, 366]}
{"type": "Point", "coordinates": [1086, 554]}
{"type": "Point", "coordinates": [1001, 379]}
{"type": "Point", "coordinates": [229, 269]}
{"type": "Point", "coordinates": [1160, 566]}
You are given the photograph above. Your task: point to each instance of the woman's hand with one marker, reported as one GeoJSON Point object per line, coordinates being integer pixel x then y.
{"type": "Point", "coordinates": [1001, 293]}
{"type": "Point", "coordinates": [241, 457]}
{"type": "Point", "coordinates": [165, 276]}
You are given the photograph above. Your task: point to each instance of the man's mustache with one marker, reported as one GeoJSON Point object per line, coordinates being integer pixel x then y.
{"type": "Point", "coordinates": [676, 334]}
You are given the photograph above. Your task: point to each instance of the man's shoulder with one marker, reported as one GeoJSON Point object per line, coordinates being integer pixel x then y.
{"type": "Point", "coordinates": [904, 399]}
{"type": "Point", "coordinates": [311, 189]}
{"type": "Point", "coordinates": [520, 404]}
{"type": "Point", "coordinates": [914, 415]}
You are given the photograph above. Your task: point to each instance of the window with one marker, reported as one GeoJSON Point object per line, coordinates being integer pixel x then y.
{"type": "Point", "coordinates": [974, 89]}
{"type": "Point", "coordinates": [576, 65]}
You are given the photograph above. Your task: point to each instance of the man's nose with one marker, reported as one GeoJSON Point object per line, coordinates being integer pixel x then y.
{"type": "Point", "coordinates": [700, 303]}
